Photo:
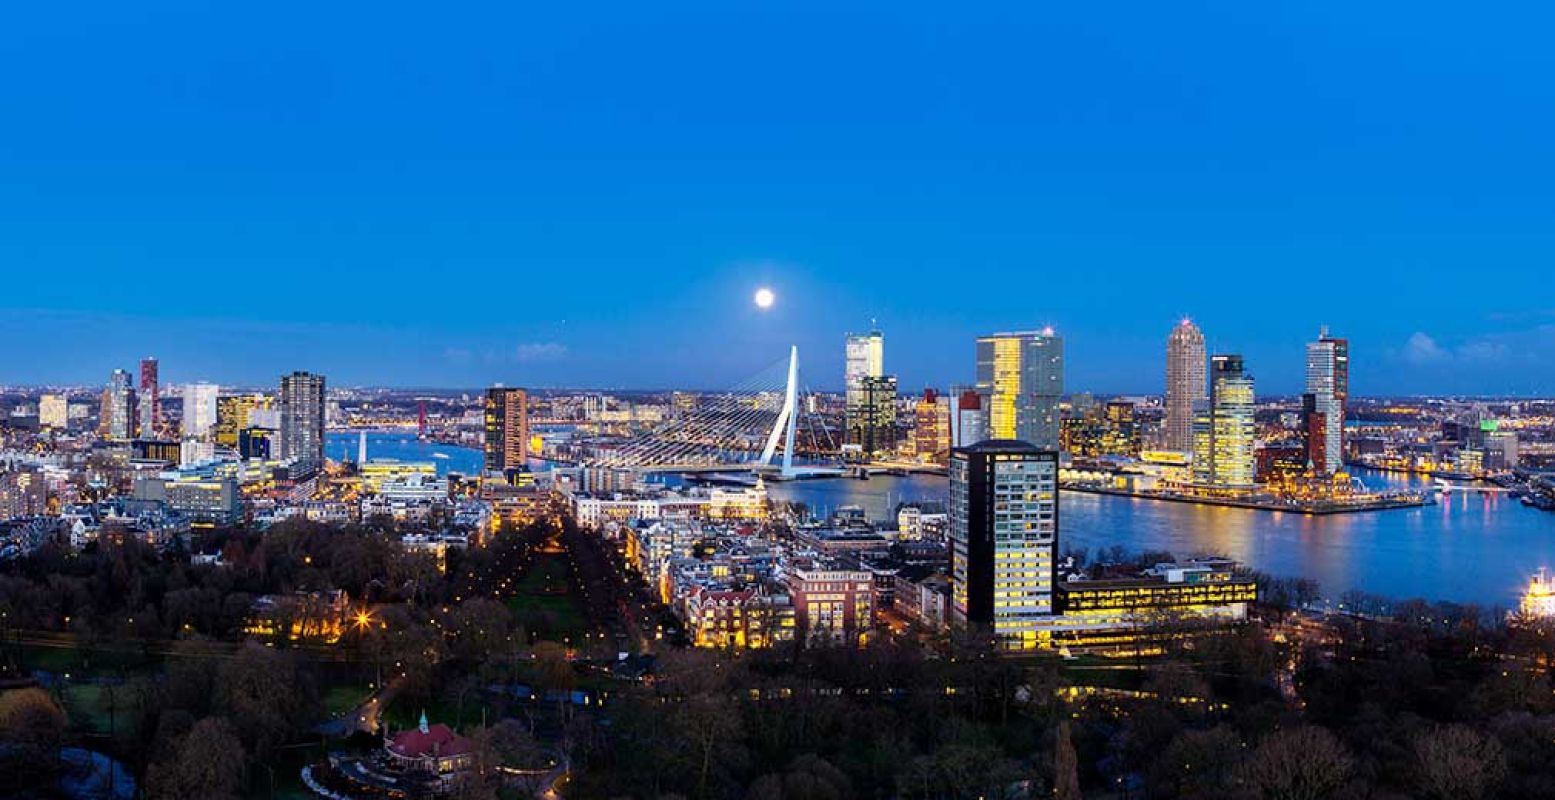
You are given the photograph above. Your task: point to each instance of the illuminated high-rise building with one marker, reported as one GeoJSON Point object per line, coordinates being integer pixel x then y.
{"type": "Point", "coordinates": [864, 358]}
{"type": "Point", "coordinates": [1323, 405]}
{"type": "Point", "coordinates": [872, 421]}
{"type": "Point", "coordinates": [1121, 435]}
{"type": "Point", "coordinates": [931, 427]}
{"type": "Point", "coordinates": [865, 354]}
{"type": "Point", "coordinates": [54, 411]}
{"type": "Point", "coordinates": [234, 412]}
{"type": "Point", "coordinates": [507, 429]}
{"type": "Point", "coordinates": [1021, 375]}
{"type": "Point", "coordinates": [1225, 433]}
{"type": "Point", "coordinates": [117, 416]}
{"type": "Point", "coordinates": [1004, 539]}
{"type": "Point", "coordinates": [200, 410]}
{"type": "Point", "coordinates": [150, 421]}
{"type": "Point", "coordinates": [1185, 385]}
{"type": "Point", "coordinates": [302, 418]}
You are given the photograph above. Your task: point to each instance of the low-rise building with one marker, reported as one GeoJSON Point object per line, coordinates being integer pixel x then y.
{"type": "Point", "coordinates": [736, 618]}
{"type": "Point", "coordinates": [832, 605]}
{"type": "Point", "coordinates": [1129, 612]}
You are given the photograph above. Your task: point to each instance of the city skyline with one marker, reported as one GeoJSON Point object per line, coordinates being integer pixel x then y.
{"type": "Point", "coordinates": [776, 401]}
{"type": "Point", "coordinates": [847, 181]}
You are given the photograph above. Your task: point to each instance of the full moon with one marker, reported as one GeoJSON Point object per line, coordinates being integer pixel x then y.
{"type": "Point", "coordinates": [764, 298]}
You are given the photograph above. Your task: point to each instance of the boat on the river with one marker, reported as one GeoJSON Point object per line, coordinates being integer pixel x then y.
{"type": "Point", "coordinates": [1539, 599]}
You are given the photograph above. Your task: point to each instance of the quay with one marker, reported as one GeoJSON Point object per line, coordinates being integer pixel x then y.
{"type": "Point", "coordinates": [1262, 503]}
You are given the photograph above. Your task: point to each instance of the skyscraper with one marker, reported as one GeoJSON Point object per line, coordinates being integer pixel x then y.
{"type": "Point", "coordinates": [200, 410]}
{"type": "Point", "coordinates": [872, 422]}
{"type": "Point", "coordinates": [1323, 405]}
{"type": "Point", "coordinates": [117, 415]}
{"type": "Point", "coordinates": [1184, 385]}
{"type": "Point", "coordinates": [1224, 430]}
{"type": "Point", "coordinates": [1022, 377]}
{"type": "Point", "coordinates": [150, 399]}
{"type": "Point", "coordinates": [865, 355]}
{"type": "Point", "coordinates": [865, 358]}
{"type": "Point", "coordinates": [507, 429]}
{"type": "Point", "coordinates": [1004, 539]}
{"type": "Point", "coordinates": [302, 418]}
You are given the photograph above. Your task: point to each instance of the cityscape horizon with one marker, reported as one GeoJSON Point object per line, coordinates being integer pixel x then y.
{"type": "Point", "coordinates": [799, 401]}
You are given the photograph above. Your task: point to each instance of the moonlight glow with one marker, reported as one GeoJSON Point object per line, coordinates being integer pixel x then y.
{"type": "Point", "coordinates": [764, 298]}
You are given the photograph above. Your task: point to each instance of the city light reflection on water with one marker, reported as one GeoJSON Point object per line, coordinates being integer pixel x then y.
{"type": "Point", "coordinates": [1469, 548]}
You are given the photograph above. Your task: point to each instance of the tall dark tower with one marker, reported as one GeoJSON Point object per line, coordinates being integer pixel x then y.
{"type": "Point", "coordinates": [302, 417]}
{"type": "Point", "coordinates": [507, 429]}
{"type": "Point", "coordinates": [150, 400]}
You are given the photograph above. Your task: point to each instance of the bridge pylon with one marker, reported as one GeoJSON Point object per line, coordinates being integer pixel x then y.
{"type": "Point", "coordinates": [786, 420]}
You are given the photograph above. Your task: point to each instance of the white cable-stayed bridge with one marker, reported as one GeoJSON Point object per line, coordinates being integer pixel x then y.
{"type": "Point", "coordinates": [761, 425]}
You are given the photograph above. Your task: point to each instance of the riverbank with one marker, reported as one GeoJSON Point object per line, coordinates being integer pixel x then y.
{"type": "Point", "coordinates": [1309, 508]}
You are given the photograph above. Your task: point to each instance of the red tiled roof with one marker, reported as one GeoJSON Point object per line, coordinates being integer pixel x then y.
{"type": "Point", "coordinates": [439, 740]}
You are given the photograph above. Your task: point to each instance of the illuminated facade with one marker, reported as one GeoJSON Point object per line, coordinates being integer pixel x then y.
{"type": "Point", "coordinates": [832, 605]}
{"type": "Point", "coordinates": [1021, 376]}
{"type": "Point", "coordinates": [54, 411]}
{"type": "Point", "coordinates": [872, 423]}
{"type": "Point", "coordinates": [1130, 613]}
{"type": "Point", "coordinates": [23, 493]}
{"type": "Point", "coordinates": [865, 354]}
{"type": "Point", "coordinates": [318, 617]}
{"type": "Point", "coordinates": [150, 399]}
{"type": "Point", "coordinates": [744, 505]}
{"type": "Point", "coordinates": [507, 429]}
{"type": "Point", "coordinates": [236, 412]}
{"type": "Point", "coordinates": [1004, 539]}
{"type": "Point", "coordinates": [864, 359]}
{"type": "Point", "coordinates": [200, 409]}
{"type": "Point", "coordinates": [376, 474]}
{"type": "Point", "coordinates": [1224, 431]}
{"type": "Point", "coordinates": [118, 415]}
{"type": "Point", "coordinates": [1323, 405]}
{"type": "Point", "coordinates": [302, 417]}
{"type": "Point", "coordinates": [1538, 601]}
{"type": "Point", "coordinates": [931, 427]}
{"type": "Point", "coordinates": [1109, 431]}
{"type": "Point", "coordinates": [205, 501]}
{"type": "Point", "coordinates": [747, 618]}
{"type": "Point", "coordinates": [1185, 385]}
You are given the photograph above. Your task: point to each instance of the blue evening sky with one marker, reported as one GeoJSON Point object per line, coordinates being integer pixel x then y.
{"type": "Point", "coordinates": [587, 194]}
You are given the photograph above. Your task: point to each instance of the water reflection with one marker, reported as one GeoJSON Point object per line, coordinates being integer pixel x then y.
{"type": "Point", "coordinates": [1469, 548]}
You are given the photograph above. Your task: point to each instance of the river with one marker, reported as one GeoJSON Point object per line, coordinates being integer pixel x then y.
{"type": "Point", "coordinates": [405, 447]}
{"type": "Point", "coordinates": [1469, 548]}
